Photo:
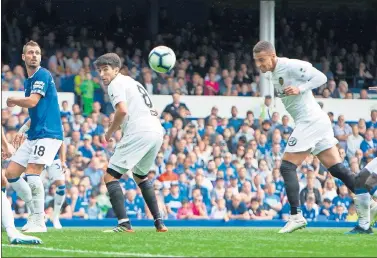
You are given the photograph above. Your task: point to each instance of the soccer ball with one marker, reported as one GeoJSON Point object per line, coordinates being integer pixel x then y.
{"type": "Point", "coordinates": [161, 59]}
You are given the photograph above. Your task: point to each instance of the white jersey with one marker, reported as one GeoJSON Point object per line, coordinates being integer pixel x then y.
{"type": "Point", "coordinates": [293, 72]}
{"type": "Point", "coordinates": [141, 115]}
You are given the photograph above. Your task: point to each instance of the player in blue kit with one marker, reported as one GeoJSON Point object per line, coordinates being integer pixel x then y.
{"type": "Point", "coordinates": [44, 136]}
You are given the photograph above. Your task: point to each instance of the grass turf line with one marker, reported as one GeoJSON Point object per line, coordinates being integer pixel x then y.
{"type": "Point", "coordinates": [88, 242]}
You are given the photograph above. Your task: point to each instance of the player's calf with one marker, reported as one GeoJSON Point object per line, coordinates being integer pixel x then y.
{"type": "Point", "coordinates": [149, 195]}
{"type": "Point", "coordinates": [288, 172]}
{"type": "Point", "coordinates": [117, 200]}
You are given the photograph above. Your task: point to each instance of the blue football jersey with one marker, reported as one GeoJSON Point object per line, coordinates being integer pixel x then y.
{"type": "Point", "coordinates": [45, 116]}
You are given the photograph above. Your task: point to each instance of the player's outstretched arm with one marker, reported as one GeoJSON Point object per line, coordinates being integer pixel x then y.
{"type": "Point", "coordinates": [26, 102]}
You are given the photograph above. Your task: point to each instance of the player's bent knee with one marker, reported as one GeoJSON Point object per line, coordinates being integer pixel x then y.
{"type": "Point", "coordinates": [34, 169]}
{"type": "Point", "coordinates": [371, 182]}
{"type": "Point", "coordinates": [111, 175]}
{"type": "Point", "coordinates": [361, 178]}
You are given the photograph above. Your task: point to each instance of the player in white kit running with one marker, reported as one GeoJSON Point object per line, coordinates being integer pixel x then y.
{"type": "Point", "coordinates": [142, 137]}
{"type": "Point", "coordinates": [293, 81]}
{"type": "Point", "coordinates": [7, 218]}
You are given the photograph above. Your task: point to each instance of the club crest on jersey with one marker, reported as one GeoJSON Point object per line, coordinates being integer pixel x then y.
{"type": "Point", "coordinates": [292, 141]}
{"type": "Point", "coordinates": [281, 81]}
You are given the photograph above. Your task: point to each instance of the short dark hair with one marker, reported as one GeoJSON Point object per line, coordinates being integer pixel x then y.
{"type": "Point", "coordinates": [30, 43]}
{"type": "Point", "coordinates": [263, 46]}
{"type": "Point", "coordinates": [110, 59]}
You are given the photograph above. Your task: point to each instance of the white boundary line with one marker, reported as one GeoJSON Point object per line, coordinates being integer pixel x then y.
{"type": "Point", "coordinates": [87, 251]}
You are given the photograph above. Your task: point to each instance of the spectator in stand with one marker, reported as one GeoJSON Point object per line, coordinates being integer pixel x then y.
{"type": "Point", "coordinates": [342, 131]}
{"type": "Point", "coordinates": [343, 198]}
{"type": "Point", "coordinates": [340, 213]}
{"type": "Point", "coordinates": [74, 64]}
{"type": "Point", "coordinates": [354, 141]}
{"type": "Point", "coordinates": [237, 209]}
{"type": "Point", "coordinates": [373, 120]}
{"type": "Point", "coordinates": [185, 212]}
{"type": "Point", "coordinates": [369, 145]}
{"type": "Point", "coordinates": [310, 209]}
{"type": "Point", "coordinates": [219, 210]}
{"type": "Point", "coordinates": [341, 91]}
{"type": "Point", "coordinates": [174, 107]}
{"type": "Point", "coordinates": [169, 175]}
{"type": "Point", "coordinates": [211, 86]}
{"type": "Point", "coordinates": [257, 212]}
{"type": "Point", "coordinates": [310, 189]}
{"type": "Point", "coordinates": [266, 109]}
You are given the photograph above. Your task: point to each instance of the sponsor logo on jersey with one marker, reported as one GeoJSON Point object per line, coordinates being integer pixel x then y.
{"type": "Point", "coordinates": [38, 85]}
{"type": "Point", "coordinates": [292, 141]}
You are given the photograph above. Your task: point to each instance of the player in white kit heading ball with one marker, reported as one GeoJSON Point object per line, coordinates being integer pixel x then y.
{"type": "Point", "coordinates": [142, 136]}
{"type": "Point", "coordinates": [293, 81]}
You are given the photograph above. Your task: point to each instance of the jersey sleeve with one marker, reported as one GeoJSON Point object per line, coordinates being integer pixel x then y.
{"type": "Point", "coordinates": [117, 94]}
{"type": "Point", "coordinates": [304, 71]}
{"type": "Point", "coordinates": [41, 83]}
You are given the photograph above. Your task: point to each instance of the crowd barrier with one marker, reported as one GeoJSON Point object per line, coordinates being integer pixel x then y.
{"type": "Point", "coordinates": [192, 223]}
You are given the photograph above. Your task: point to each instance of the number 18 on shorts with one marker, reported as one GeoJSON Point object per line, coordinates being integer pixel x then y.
{"type": "Point", "coordinates": [40, 151]}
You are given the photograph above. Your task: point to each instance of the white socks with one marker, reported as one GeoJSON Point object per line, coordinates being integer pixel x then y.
{"type": "Point", "coordinates": [37, 191]}
{"type": "Point", "coordinates": [23, 191]}
{"type": "Point", "coordinates": [362, 203]}
{"type": "Point", "coordinates": [7, 219]}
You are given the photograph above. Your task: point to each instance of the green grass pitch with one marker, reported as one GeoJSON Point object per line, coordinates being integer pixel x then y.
{"type": "Point", "coordinates": [208, 242]}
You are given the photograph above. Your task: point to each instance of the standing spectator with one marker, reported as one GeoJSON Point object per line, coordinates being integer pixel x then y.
{"type": "Point", "coordinates": [87, 87]}
{"type": "Point", "coordinates": [266, 109]}
{"type": "Point", "coordinates": [369, 145]}
{"type": "Point", "coordinates": [354, 141]}
{"type": "Point", "coordinates": [342, 131]}
{"type": "Point", "coordinates": [234, 121]}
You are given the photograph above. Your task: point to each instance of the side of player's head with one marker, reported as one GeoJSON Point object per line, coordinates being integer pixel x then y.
{"type": "Point", "coordinates": [108, 66]}
{"type": "Point", "coordinates": [32, 54]}
{"type": "Point", "coordinates": [264, 56]}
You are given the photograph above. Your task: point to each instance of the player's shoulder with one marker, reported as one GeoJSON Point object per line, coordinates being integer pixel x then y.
{"type": "Point", "coordinates": [296, 63]}
{"type": "Point", "coordinates": [43, 72]}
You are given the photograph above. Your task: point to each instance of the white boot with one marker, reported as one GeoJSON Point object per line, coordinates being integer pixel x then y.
{"type": "Point", "coordinates": [294, 223]}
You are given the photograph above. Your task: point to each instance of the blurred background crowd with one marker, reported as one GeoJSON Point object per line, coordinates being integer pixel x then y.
{"type": "Point", "coordinates": [211, 167]}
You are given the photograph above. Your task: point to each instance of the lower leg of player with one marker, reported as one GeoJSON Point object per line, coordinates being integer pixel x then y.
{"type": "Point", "coordinates": [21, 187]}
{"type": "Point", "coordinates": [371, 185]}
{"type": "Point", "coordinates": [117, 201]}
{"type": "Point", "coordinates": [362, 199]}
{"type": "Point", "coordinates": [149, 196]}
{"type": "Point", "coordinates": [296, 220]}
{"type": "Point", "coordinates": [58, 203]}
{"type": "Point", "coordinates": [7, 221]}
{"type": "Point", "coordinates": [340, 171]}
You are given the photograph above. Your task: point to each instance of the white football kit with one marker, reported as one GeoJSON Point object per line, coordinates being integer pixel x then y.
{"type": "Point", "coordinates": [142, 130]}
{"type": "Point", "coordinates": [313, 130]}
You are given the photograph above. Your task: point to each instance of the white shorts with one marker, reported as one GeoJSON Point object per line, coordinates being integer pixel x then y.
{"type": "Point", "coordinates": [372, 166]}
{"type": "Point", "coordinates": [314, 136]}
{"type": "Point", "coordinates": [55, 171]}
{"type": "Point", "coordinates": [40, 151]}
{"type": "Point", "coordinates": [137, 151]}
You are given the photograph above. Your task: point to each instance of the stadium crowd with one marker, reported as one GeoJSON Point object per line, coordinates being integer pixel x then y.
{"type": "Point", "coordinates": [209, 168]}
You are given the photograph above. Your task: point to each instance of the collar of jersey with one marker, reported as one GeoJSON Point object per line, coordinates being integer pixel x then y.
{"type": "Point", "coordinates": [35, 72]}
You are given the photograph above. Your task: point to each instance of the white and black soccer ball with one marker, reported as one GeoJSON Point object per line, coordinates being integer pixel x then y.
{"type": "Point", "coordinates": [161, 59]}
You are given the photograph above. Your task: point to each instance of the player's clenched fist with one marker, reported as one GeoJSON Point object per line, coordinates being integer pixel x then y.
{"type": "Point", "coordinates": [291, 90]}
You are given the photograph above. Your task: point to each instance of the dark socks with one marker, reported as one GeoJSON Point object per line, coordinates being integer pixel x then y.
{"type": "Point", "coordinates": [149, 195]}
{"type": "Point", "coordinates": [344, 174]}
{"type": "Point", "coordinates": [288, 172]}
{"type": "Point", "coordinates": [117, 201]}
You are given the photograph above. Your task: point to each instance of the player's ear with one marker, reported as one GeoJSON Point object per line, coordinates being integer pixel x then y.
{"type": "Point", "coordinates": [116, 69]}
{"type": "Point", "coordinates": [23, 57]}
